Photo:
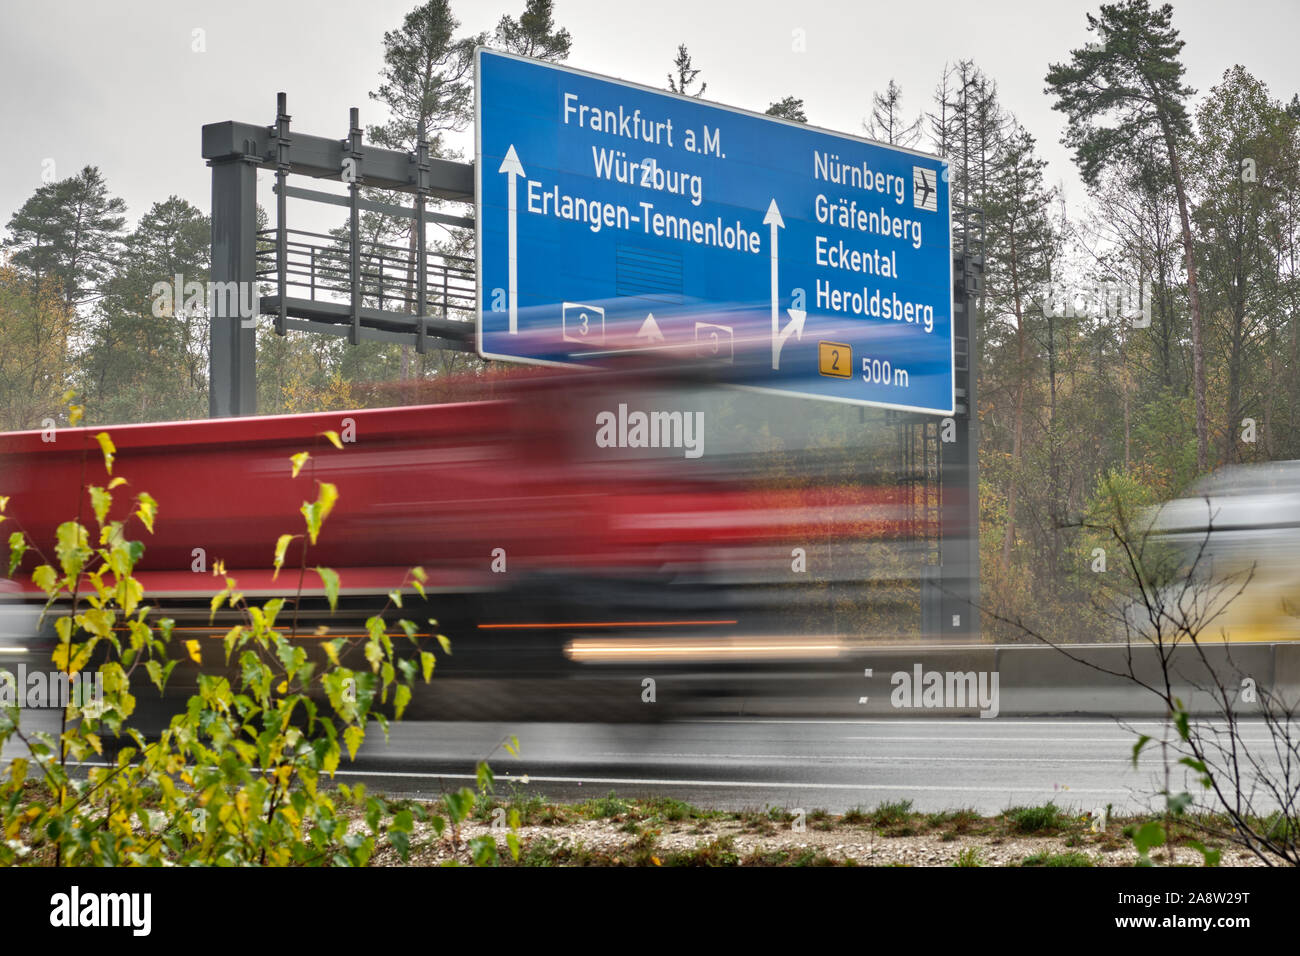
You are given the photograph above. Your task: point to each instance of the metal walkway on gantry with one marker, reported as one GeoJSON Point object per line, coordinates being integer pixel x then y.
{"type": "Point", "coordinates": [341, 283]}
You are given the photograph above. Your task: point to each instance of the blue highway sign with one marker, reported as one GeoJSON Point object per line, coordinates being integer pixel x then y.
{"type": "Point", "coordinates": [614, 218]}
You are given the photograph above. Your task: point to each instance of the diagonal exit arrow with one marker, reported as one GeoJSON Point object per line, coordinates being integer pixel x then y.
{"type": "Point", "coordinates": [795, 327]}
{"type": "Point", "coordinates": [797, 316]}
{"type": "Point", "coordinates": [513, 169]}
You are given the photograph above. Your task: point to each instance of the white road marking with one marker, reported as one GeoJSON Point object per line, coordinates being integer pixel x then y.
{"type": "Point", "coordinates": [883, 758]}
{"type": "Point", "coordinates": [751, 784]}
{"type": "Point", "coordinates": [1020, 740]}
{"type": "Point", "coordinates": [1117, 722]}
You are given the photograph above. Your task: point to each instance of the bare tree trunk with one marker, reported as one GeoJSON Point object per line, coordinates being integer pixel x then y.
{"type": "Point", "coordinates": [1194, 301]}
{"type": "Point", "coordinates": [1124, 386]}
{"type": "Point", "coordinates": [1018, 421]}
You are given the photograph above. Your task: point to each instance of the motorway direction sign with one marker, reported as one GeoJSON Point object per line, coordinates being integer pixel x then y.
{"type": "Point", "coordinates": [615, 218]}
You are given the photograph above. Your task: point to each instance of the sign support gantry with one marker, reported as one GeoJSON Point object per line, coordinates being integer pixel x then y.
{"type": "Point", "coordinates": [361, 290]}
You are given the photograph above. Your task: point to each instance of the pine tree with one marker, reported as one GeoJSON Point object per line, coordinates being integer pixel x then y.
{"type": "Point", "coordinates": [145, 357]}
{"type": "Point", "coordinates": [1234, 164]}
{"type": "Point", "coordinates": [788, 108]}
{"type": "Point", "coordinates": [887, 123]}
{"type": "Point", "coordinates": [427, 85]}
{"type": "Point", "coordinates": [1019, 250]}
{"type": "Point", "coordinates": [1121, 96]}
{"type": "Point", "coordinates": [534, 33]}
{"type": "Point", "coordinates": [427, 78]}
{"type": "Point", "coordinates": [70, 231]}
{"type": "Point", "coordinates": [36, 325]}
{"type": "Point", "coordinates": [686, 74]}
{"type": "Point", "coordinates": [967, 128]}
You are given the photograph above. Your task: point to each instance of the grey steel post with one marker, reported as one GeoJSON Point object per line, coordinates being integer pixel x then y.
{"type": "Point", "coordinates": [354, 225]}
{"type": "Point", "coordinates": [235, 151]}
{"type": "Point", "coordinates": [282, 144]}
{"type": "Point", "coordinates": [421, 264]}
{"type": "Point", "coordinates": [959, 571]}
{"type": "Point", "coordinates": [232, 383]}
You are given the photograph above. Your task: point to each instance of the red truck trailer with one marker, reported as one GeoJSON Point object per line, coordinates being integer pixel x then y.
{"type": "Point", "coordinates": [533, 526]}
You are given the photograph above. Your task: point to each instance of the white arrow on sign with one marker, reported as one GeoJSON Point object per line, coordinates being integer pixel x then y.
{"type": "Point", "coordinates": [513, 168]}
{"type": "Point", "coordinates": [650, 330]}
{"type": "Point", "coordinates": [797, 316]}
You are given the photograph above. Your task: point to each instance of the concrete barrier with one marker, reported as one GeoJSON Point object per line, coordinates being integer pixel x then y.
{"type": "Point", "coordinates": [1041, 680]}
{"type": "Point", "coordinates": [1031, 681]}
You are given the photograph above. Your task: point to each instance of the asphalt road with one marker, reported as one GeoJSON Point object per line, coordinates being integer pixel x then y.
{"type": "Point", "coordinates": [986, 765]}
{"type": "Point", "coordinates": [753, 763]}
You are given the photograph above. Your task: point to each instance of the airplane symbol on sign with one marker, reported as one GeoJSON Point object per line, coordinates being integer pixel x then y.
{"type": "Point", "coordinates": [923, 189]}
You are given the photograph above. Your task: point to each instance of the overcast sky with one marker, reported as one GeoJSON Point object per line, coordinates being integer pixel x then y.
{"type": "Point", "coordinates": [117, 85]}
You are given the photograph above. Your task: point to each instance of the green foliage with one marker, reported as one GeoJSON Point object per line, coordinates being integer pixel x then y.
{"type": "Point", "coordinates": [892, 814]}
{"type": "Point", "coordinates": [1155, 833]}
{"type": "Point", "coordinates": [1058, 859]}
{"type": "Point", "coordinates": [427, 78]}
{"type": "Point", "coordinates": [1048, 818]}
{"type": "Point", "coordinates": [69, 231]}
{"type": "Point", "coordinates": [609, 806]}
{"type": "Point", "coordinates": [1125, 89]}
{"type": "Point", "coordinates": [36, 325]}
{"type": "Point", "coordinates": [790, 108]}
{"type": "Point", "coordinates": [971, 856]}
{"type": "Point", "coordinates": [146, 351]}
{"type": "Point", "coordinates": [238, 777]}
{"type": "Point", "coordinates": [684, 75]}
{"type": "Point", "coordinates": [534, 33]}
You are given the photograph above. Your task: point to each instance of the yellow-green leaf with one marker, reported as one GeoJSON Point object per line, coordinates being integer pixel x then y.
{"type": "Point", "coordinates": [281, 545]}
{"type": "Point", "coordinates": [330, 761]}
{"type": "Point", "coordinates": [327, 496]}
{"type": "Point", "coordinates": [334, 439]}
{"type": "Point", "coordinates": [108, 448]}
{"type": "Point", "coordinates": [317, 511]}
{"type": "Point", "coordinates": [45, 578]}
{"type": "Point", "coordinates": [17, 548]}
{"type": "Point", "coordinates": [352, 737]}
{"type": "Point", "coordinates": [100, 501]}
{"type": "Point", "coordinates": [218, 599]}
{"type": "Point", "coordinates": [192, 646]}
{"type": "Point", "coordinates": [298, 460]}
{"type": "Point", "coordinates": [330, 579]}
{"type": "Point", "coordinates": [147, 510]}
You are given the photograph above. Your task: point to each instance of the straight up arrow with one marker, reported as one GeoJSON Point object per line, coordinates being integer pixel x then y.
{"type": "Point", "coordinates": [797, 316]}
{"type": "Point", "coordinates": [513, 168]}
{"type": "Point", "coordinates": [650, 330]}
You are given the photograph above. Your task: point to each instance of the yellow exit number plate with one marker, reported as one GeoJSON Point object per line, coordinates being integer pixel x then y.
{"type": "Point", "coordinates": [835, 359]}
